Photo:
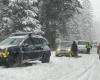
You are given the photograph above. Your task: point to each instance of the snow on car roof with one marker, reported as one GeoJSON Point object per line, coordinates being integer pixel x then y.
{"type": "Point", "coordinates": [17, 37]}
{"type": "Point", "coordinates": [37, 36]}
{"type": "Point", "coordinates": [26, 35]}
{"type": "Point", "coordinates": [65, 42]}
{"type": "Point", "coordinates": [83, 40]}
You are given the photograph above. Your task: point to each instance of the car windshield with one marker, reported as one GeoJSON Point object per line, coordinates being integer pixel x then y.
{"type": "Point", "coordinates": [65, 44]}
{"type": "Point", "coordinates": [82, 43]}
{"type": "Point", "coordinates": [11, 41]}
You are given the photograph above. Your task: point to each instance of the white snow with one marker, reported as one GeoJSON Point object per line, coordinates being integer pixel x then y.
{"type": "Point", "coordinates": [86, 67]}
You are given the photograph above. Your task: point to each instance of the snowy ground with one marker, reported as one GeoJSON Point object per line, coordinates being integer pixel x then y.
{"type": "Point", "coordinates": [86, 67]}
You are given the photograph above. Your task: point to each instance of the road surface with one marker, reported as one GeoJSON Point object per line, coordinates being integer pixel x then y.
{"type": "Point", "coordinates": [86, 67]}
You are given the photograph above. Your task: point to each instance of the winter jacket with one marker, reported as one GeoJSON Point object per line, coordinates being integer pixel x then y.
{"type": "Point", "coordinates": [88, 45]}
{"type": "Point", "coordinates": [74, 47]}
{"type": "Point", "coordinates": [98, 49]}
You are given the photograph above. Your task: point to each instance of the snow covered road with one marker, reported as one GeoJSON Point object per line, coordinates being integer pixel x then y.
{"type": "Point", "coordinates": [86, 67]}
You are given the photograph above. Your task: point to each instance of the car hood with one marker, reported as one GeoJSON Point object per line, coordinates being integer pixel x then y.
{"type": "Point", "coordinates": [6, 46]}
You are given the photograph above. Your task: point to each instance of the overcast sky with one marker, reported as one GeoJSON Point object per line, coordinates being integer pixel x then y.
{"type": "Point", "coordinates": [96, 9]}
{"type": "Point", "coordinates": [96, 13]}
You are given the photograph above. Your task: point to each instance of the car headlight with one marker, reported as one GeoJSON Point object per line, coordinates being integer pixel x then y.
{"type": "Point", "coordinates": [69, 49]}
{"type": "Point", "coordinates": [58, 49]}
{"type": "Point", "coordinates": [4, 53]}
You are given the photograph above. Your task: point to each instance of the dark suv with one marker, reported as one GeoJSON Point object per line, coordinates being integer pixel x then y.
{"type": "Point", "coordinates": [21, 47]}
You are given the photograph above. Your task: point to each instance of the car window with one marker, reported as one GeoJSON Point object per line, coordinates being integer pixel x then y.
{"type": "Point", "coordinates": [28, 41]}
{"type": "Point", "coordinates": [11, 41]}
{"type": "Point", "coordinates": [65, 44]}
{"type": "Point", "coordinates": [35, 41]}
{"type": "Point", "coordinates": [82, 43]}
{"type": "Point", "coordinates": [39, 41]}
{"type": "Point", "coordinates": [43, 41]}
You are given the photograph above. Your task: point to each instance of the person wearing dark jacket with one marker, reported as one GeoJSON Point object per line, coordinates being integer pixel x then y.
{"type": "Point", "coordinates": [98, 50]}
{"type": "Point", "coordinates": [74, 49]}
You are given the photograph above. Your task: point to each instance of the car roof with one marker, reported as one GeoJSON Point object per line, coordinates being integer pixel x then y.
{"type": "Point", "coordinates": [21, 33]}
{"type": "Point", "coordinates": [65, 41]}
{"type": "Point", "coordinates": [83, 40]}
{"type": "Point", "coordinates": [25, 34]}
{"type": "Point", "coordinates": [17, 36]}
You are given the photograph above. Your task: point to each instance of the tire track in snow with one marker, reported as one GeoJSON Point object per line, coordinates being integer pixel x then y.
{"type": "Point", "coordinates": [95, 73]}
{"type": "Point", "coordinates": [81, 72]}
{"type": "Point", "coordinates": [87, 73]}
{"type": "Point", "coordinates": [59, 72]}
{"type": "Point", "coordinates": [58, 69]}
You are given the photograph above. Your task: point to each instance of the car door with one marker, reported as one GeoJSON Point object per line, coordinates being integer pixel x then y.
{"type": "Point", "coordinates": [38, 48]}
{"type": "Point", "coordinates": [27, 48]}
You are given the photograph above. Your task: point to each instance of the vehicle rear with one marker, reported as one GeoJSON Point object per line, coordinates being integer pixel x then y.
{"type": "Point", "coordinates": [82, 46]}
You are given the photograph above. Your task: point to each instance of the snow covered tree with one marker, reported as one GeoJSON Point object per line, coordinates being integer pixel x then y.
{"type": "Point", "coordinates": [23, 16]}
{"type": "Point", "coordinates": [86, 21]}
{"type": "Point", "coordinates": [80, 26]}
{"type": "Point", "coordinates": [54, 14]}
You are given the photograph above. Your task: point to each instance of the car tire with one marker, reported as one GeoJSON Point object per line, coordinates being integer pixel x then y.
{"type": "Point", "coordinates": [46, 58]}
{"type": "Point", "coordinates": [58, 55]}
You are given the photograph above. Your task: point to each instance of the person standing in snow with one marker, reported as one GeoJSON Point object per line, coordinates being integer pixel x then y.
{"type": "Point", "coordinates": [74, 49]}
{"type": "Point", "coordinates": [98, 50]}
{"type": "Point", "coordinates": [88, 47]}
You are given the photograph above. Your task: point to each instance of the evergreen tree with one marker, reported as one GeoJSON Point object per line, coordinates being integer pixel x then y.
{"type": "Point", "coordinates": [23, 15]}
{"type": "Point", "coordinates": [80, 26]}
{"type": "Point", "coordinates": [86, 20]}
{"type": "Point", "coordinates": [54, 14]}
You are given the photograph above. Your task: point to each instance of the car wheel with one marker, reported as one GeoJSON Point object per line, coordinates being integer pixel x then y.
{"type": "Point", "coordinates": [58, 55]}
{"type": "Point", "coordinates": [45, 58]}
